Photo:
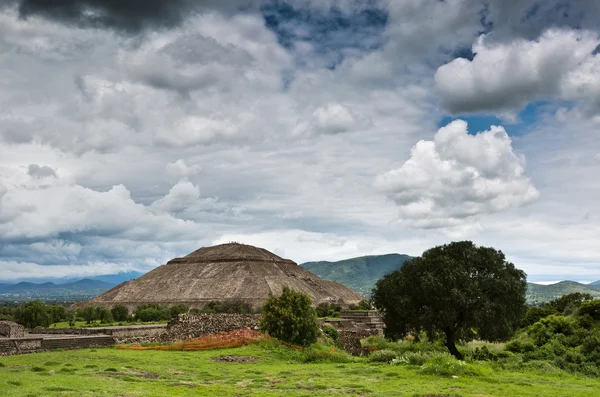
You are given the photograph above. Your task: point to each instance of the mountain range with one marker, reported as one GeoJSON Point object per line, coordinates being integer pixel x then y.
{"type": "Point", "coordinates": [77, 290]}
{"type": "Point", "coordinates": [362, 273]}
{"type": "Point", "coordinates": [359, 273]}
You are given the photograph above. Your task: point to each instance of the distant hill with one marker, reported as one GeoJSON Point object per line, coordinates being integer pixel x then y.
{"type": "Point", "coordinates": [76, 290]}
{"type": "Point", "coordinates": [537, 293]}
{"type": "Point", "coordinates": [360, 273]}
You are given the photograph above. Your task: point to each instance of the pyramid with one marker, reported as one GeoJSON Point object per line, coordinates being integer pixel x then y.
{"type": "Point", "coordinates": [223, 272]}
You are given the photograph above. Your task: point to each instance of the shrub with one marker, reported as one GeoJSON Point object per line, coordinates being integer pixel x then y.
{"type": "Point", "coordinates": [322, 354]}
{"type": "Point", "coordinates": [446, 365]}
{"type": "Point", "coordinates": [120, 313]}
{"type": "Point", "coordinates": [331, 332]}
{"type": "Point", "coordinates": [483, 354]}
{"type": "Point", "coordinates": [535, 314]}
{"type": "Point", "coordinates": [230, 306]}
{"type": "Point", "coordinates": [376, 342]}
{"type": "Point", "coordinates": [567, 304]}
{"type": "Point", "coordinates": [382, 356]}
{"type": "Point", "coordinates": [542, 331]}
{"type": "Point", "coordinates": [325, 309]}
{"type": "Point", "coordinates": [152, 312]}
{"type": "Point", "coordinates": [420, 358]}
{"type": "Point", "coordinates": [290, 318]}
{"type": "Point", "coordinates": [591, 308]}
{"type": "Point", "coordinates": [176, 310]}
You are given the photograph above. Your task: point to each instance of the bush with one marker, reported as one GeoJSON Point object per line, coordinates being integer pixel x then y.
{"type": "Point", "coordinates": [483, 354]}
{"type": "Point", "coordinates": [152, 312]}
{"type": "Point", "coordinates": [290, 318]}
{"type": "Point", "coordinates": [420, 358]}
{"type": "Point", "coordinates": [325, 309]}
{"type": "Point", "coordinates": [230, 306]}
{"type": "Point", "coordinates": [535, 314]}
{"type": "Point", "coordinates": [382, 356]}
{"type": "Point", "coordinates": [331, 332]}
{"type": "Point", "coordinates": [542, 331]}
{"type": "Point", "coordinates": [446, 365]}
{"type": "Point", "coordinates": [176, 310]}
{"type": "Point", "coordinates": [376, 342]}
{"type": "Point", "coordinates": [322, 354]}
{"type": "Point", "coordinates": [517, 346]}
{"type": "Point", "coordinates": [120, 313]}
{"type": "Point", "coordinates": [591, 308]}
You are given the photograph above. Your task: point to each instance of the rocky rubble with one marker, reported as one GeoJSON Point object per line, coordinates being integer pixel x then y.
{"type": "Point", "coordinates": [188, 326]}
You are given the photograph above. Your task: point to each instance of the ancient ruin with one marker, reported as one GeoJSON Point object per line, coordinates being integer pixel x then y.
{"type": "Point", "coordinates": [9, 329]}
{"type": "Point", "coordinates": [223, 272]}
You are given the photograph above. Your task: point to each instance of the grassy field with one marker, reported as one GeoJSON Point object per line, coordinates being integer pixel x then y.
{"type": "Point", "coordinates": [124, 373]}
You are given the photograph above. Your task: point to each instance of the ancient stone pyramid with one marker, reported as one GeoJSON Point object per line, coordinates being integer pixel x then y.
{"type": "Point", "coordinates": [223, 272]}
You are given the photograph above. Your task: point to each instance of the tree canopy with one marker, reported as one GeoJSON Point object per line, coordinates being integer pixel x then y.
{"type": "Point", "coordinates": [458, 290]}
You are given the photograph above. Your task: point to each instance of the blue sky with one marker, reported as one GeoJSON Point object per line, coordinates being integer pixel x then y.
{"type": "Point", "coordinates": [320, 130]}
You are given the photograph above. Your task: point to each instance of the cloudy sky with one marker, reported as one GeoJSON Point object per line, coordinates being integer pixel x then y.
{"type": "Point", "coordinates": [136, 131]}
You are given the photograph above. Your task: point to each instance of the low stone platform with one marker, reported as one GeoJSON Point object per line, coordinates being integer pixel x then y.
{"type": "Point", "coordinates": [34, 344]}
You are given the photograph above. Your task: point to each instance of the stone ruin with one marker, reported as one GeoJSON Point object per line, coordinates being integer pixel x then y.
{"type": "Point", "coordinates": [188, 326]}
{"type": "Point", "coordinates": [9, 329]}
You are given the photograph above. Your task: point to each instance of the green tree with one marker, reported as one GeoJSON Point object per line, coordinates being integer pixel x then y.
{"type": "Point", "coordinates": [457, 290]}
{"type": "Point", "coordinates": [104, 315]}
{"type": "Point", "coordinates": [32, 314]}
{"type": "Point", "coordinates": [57, 313]}
{"type": "Point", "coordinates": [88, 313]}
{"type": "Point", "coordinates": [570, 302]}
{"type": "Point", "coordinates": [290, 318]}
{"type": "Point", "coordinates": [120, 313]}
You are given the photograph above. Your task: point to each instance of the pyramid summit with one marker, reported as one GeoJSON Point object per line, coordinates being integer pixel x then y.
{"type": "Point", "coordinates": [223, 272]}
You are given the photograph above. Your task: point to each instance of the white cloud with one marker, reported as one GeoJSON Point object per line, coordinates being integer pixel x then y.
{"type": "Point", "coordinates": [13, 270]}
{"type": "Point", "coordinates": [180, 169]}
{"type": "Point", "coordinates": [507, 76]}
{"type": "Point", "coordinates": [457, 177]}
{"type": "Point", "coordinates": [181, 196]}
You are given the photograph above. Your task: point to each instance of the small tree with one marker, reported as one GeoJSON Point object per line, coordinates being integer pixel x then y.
{"type": "Point", "coordinates": [104, 315]}
{"type": "Point", "coordinates": [88, 313]}
{"type": "Point", "coordinates": [120, 313]}
{"type": "Point", "coordinates": [459, 290]}
{"type": "Point", "coordinates": [290, 318]}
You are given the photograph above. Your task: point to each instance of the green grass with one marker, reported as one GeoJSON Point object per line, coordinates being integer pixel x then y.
{"type": "Point", "coordinates": [126, 373]}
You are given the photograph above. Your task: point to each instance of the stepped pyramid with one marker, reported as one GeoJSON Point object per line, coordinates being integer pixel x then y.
{"type": "Point", "coordinates": [223, 272]}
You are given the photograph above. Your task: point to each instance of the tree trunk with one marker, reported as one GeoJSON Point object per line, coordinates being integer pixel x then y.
{"type": "Point", "coordinates": [451, 345]}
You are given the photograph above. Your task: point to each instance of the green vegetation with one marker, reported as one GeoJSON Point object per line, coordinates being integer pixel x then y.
{"type": "Point", "coordinates": [458, 290]}
{"type": "Point", "coordinates": [278, 371]}
{"type": "Point", "coordinates": [290, 318]}
{"type": "Point", "coordinates": [228, 306]}
{"type": "Point", "coordinates": [361, 273]}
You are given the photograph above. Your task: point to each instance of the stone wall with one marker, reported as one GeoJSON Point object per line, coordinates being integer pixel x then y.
{"type": "Point", "coordinates": [9, 329]}
{"type": "Point", "coordinates": [350, 340]}
{"type": "Point", "coordinates": [10, 346]}
{"type": "Point", "coordinates": [188, 326]}
{"type": "Point", "coordinates": [122, 334]}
